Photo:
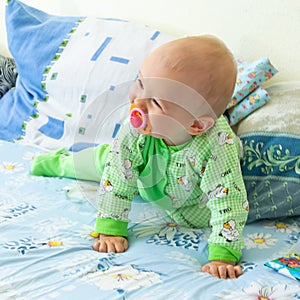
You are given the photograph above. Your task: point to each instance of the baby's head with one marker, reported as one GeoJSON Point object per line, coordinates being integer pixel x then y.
{"type": "Point", "coordinates": [201, 68]}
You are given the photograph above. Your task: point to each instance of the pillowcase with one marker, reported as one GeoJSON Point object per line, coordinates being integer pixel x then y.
{"type": "Point", "coordinates": [249, 95]}
{"type": "Point", "coordinates": [74, 75]}
{"type": "Point", "coordinates": [250, 76]}
{"type": "Point", "coordinates": [33, 39]}
{"type": "Point", "coordinates": [8, 74]}
{"type": "Point", "coordinates": [271, 162]}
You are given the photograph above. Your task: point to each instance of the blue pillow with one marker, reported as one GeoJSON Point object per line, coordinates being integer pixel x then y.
{"type": "Point", "coordinates": [33, 39]}
{"type": "Point", "coordinates": [64, 64]}
{"type": "Point", "coordinates": [271, 162]}
{"type": "Point", "coordinates": [74, 76]}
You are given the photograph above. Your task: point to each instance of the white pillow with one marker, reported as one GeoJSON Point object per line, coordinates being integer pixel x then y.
{"type": "Point", "coordinates": [87, 83]}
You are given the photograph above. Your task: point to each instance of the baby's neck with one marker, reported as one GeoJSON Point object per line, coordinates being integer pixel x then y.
{"type": "Point", "coordinates": [178, 140]}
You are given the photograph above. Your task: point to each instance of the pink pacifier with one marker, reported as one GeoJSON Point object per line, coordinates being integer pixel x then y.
{"type": "Point", "coordinates": [138, 118]}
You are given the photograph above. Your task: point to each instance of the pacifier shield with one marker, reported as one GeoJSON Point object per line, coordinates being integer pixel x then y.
{"type": "Point", "coordinates": [137, 118]}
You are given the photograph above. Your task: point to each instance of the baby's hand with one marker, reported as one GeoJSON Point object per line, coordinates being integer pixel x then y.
{"type": "Point", "coordinates": [111, 243]}
{"type": "Point", "coordinates": [222, 269]}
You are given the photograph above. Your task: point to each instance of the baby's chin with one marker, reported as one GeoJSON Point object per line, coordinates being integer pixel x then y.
{"type": "Point", "coordinates": [162, 137]}
{"type": "Point", "coordinates": [177, 139]}
{"type": "Point", "coordinates": [148, 132]}
{"type": "Point", "coordinates": [158, 136]}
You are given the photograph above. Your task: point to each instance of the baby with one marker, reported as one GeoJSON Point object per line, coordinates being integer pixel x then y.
{"type": "Point", "coordinates": [176, 150]}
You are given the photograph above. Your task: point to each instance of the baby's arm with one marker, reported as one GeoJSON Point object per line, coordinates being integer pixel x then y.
{"type": "Point", "coordinates": [118, 186]}
{"type": "Point", "coordinates": [110, 243]}
{"type": "Point", "coordinates": [222, 182]}
{"type": "Point", "coordinates": [222, 269]}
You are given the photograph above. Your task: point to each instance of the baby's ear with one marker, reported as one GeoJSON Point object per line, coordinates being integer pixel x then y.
{"type": "Point", "coordinates": [201, 125]}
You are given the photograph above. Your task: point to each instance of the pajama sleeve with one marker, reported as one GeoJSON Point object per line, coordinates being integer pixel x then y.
{"type": "Point", "coordinates": [118, 184]}
{"type": "Point", "coordinates": [227, 199]}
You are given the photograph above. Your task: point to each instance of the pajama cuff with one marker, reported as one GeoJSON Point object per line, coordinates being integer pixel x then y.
{"type": "Point", "coordinates": [217, 252]}
{"type": "Point", "coordinates": [111, 227]}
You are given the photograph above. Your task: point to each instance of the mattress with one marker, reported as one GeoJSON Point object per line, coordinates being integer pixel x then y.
{"type": "Point", "coordinates": [46, 227]}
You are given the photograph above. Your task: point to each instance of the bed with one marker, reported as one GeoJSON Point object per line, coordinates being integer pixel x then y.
{"type": "Point", "coordinates": [47, 223]}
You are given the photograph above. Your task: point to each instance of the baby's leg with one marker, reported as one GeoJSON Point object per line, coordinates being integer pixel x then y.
{"type": "Point", "coordinates": [87, 164]}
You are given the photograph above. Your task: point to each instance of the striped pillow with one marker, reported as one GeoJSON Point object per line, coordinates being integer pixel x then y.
{"type": "Point", "coordinates": [8, 74]}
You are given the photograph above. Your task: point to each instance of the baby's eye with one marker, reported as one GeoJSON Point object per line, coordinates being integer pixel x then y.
{"type": "Point", "coordinates": [156, 103]}
{"type": "Point", "coordinates": [140, 83]}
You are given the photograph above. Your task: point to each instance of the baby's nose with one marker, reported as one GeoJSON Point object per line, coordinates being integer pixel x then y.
{"type": "Point", "coordinates": [141, 103]}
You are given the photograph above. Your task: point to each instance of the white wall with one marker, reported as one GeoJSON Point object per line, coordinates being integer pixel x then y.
{"type": "Point", "coordinates": [251, 28]}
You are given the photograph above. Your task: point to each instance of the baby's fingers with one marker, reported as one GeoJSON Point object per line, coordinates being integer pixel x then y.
{"type": "Point", "coordinates": [97, 246]}
{"type": "Point", "coordinates": [211, 269]}
{"type": "Point", "coordinates": [121, 246]}
{"type": "Point", "coordinates": [223, 271]}
{"type": "Point", "coordinates": [238, 271]}
{"type": "Point", "coordinates": [101, 246]}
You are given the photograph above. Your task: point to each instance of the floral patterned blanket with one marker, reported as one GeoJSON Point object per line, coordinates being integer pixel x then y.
{"type": "Point", "coordinates": [46, 247]}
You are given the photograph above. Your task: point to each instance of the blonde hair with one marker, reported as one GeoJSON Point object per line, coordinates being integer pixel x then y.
{"type": "Point", "coordinates": [209, 62]}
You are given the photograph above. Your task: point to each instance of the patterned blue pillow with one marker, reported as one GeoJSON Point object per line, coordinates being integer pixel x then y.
{"type": "Point", "coordinates": [33, 39]}
{"type": "Point", "coordinates": [64, 64]}
{"type": "Point", "coordinates": [271, 162]}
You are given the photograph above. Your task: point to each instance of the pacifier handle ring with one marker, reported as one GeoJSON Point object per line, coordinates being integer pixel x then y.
{"type": "Point", "coordinates": [142, 117]}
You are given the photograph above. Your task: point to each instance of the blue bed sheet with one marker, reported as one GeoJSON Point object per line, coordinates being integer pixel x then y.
{"type": "Point", "coordinates": [46, 247]}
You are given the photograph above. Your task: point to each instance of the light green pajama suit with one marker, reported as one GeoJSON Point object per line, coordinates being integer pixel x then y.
{"type": "Point", "coordinates": [199, 183]}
